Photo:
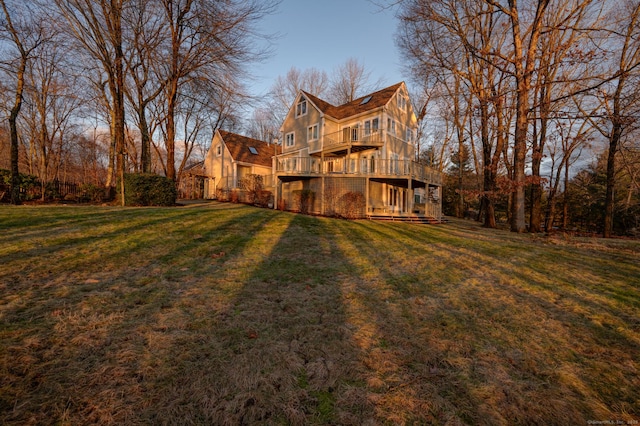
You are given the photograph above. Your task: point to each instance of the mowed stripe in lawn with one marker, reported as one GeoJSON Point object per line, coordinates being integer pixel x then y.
{"type": "Point", "coordinates": [223, 313]}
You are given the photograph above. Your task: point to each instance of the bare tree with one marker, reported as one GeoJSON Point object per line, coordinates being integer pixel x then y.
{"type": "Point", "coordinates": [210, 41]}
{"type": "Point", "coordinates": [262, 125]}
{"type": "Point", "coordinates": [452, 39]}
{"type": "Point", "coordinates": [96, 26]}
{"type": "Point", "coordinates": [24, 32]}
{"type": "Point", "coordinates": [286, 88]}
{"type": "Point", "coordinates": [144, 32]}
{"type": "Point", "coordinates": [51, 109]}
{"type": "Point", "coordinates": [620, 101]}
{"type": "Point", "coordinates": [350, 81]}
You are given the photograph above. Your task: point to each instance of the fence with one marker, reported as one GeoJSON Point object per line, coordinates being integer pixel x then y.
{"type": "Point", "coordinates": [57, 190]}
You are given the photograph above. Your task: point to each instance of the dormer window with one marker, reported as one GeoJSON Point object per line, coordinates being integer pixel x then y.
{"type": "Point", "coordinates": [218, 150]}
{"type": "Point", "coordinates": [301, 107]}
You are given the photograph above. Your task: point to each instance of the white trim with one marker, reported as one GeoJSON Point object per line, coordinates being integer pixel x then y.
{"type": "Point", "coordinates": [289, 140]}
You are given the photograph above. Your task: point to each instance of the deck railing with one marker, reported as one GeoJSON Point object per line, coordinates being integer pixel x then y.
{"type": "Point", "coordinates": [368, 167]}
{"type": "Point", "coordinates": [353, 135]}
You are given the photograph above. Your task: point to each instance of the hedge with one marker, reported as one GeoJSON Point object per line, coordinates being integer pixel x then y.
{"type": "Point", "coordinates": [147, 189]}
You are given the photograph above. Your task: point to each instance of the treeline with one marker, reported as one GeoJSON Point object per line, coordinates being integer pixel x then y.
{"type": "Point", "coordinates": [92, 89]}
{"type": "Point", "coordinates": [528, 105]}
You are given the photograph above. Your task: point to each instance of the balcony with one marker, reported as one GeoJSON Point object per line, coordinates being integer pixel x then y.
{"type": "Point", "coordinates": [373, 168]}
{"type": "Point", "coordinates": [350, 139]}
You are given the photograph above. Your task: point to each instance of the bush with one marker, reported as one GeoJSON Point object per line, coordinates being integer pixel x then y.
{"type": "Point", "coordinates": [252, 184]}
{"type": "Point", "coordinates": [29, 185]}
{"type": "Point", "coordinates": [149, 190]}
{"type": "Point", "coordinates": [222, 194]}
{"type": "Point", "coordinates": [264, 198]}
{"type": "Point", "coordinates": [352, 205]}
{"type": "Point", "coordinates": [93, 193]}
{"type": "Point", "coordinates": [303, 199]}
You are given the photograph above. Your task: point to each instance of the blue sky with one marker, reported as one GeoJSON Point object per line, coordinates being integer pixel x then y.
{"type": "Point", "coordinates": [323, 34]}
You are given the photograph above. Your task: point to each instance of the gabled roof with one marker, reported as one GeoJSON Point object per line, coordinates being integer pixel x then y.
{"type": "Point", "coordinates": [357, 106]}
{"type": "Point", "coordinates": [240, 148]}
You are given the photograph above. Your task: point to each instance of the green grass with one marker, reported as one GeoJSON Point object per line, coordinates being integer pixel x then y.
{"type": "Point", "coordinates": [227, 314]}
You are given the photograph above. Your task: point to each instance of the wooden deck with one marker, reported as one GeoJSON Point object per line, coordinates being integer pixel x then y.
{"type": "Point", "coordinates": [406, 219]}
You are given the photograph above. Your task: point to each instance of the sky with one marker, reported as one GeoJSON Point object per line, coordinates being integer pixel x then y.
{"type": "Point", "coordinates": [324, 34]}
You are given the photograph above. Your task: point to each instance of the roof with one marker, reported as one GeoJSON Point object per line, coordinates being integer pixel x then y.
{"type": "Point", "coordinates": [357, 106]}
{"type": "Point", "coordinates": [240, 148]}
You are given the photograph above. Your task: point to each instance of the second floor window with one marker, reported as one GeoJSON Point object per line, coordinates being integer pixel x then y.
{"type": "Point", "coordinates": [301, 107]}
{"type": "Point", "coordinates": [371, 126]}
{"type": "Point", "coordinates": [312, 132]}
{"type": "Point", "coordinates": [218, 150]}
{"type": "Point", "coordinates": [289, 140]}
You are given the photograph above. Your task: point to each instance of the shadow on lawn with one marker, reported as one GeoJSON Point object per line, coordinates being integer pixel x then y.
{"type": "Point", "coordinates": [254, 316]}
{"type": "Point", "coordinates": [528, 338]}
{"type": "Point", "coordinates": [92, 345]}
{"type": "Point", "coordinates": [279, 349]}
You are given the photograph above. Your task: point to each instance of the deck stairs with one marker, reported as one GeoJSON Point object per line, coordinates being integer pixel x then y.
{"type": "Point", "coordinates": [407, 219]}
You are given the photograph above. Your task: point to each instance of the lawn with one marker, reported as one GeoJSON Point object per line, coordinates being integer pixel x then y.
{"type": "Point", "coordinates": [229, 314]}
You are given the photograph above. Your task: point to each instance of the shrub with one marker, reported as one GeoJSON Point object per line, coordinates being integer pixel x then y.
{"type": "Point", "coordinates": [149, 190]}
{"type": "Point", "coordinates": [264, 198]}
{"type": "Point", "coordinates": [303, 199]}
{"type": "Point", "coordinates": [222, 194]}
{"type": "Point", "coordinates": [252, 184]}
{"type": "Point", "coordinates": [352, 205]}
{"type": "Point", "coordinates": [93, 193]}
{"type": "Point", "coordinates": [29, 185]}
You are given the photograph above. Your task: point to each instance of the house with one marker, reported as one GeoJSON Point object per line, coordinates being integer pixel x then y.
{"type": "Point", "coordinates": [356, 159]}
{"type": "Point", "coordinates": [232, 158]}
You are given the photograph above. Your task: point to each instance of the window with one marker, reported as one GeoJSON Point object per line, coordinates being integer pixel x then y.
{"type": "Point", "coordinates": [312, 133]}
{"type": "Point", "coordinates": [391, 126]}
{"type": "Point", "coordinates": [218, 150]}
{"type": "Point", "coordinates": [371, 126]}
{"type": "Point", "coordinates": [253, 150]}
{"type": "Point", "coordinates": [402, 102]}
{"type": "Point", "coordinates": [289, 140]}
{"type": "Point", "coordinates": [409, 136]}
{"type": "Point", "coordinates": [301, 108]}
{"type": "Point", "coordinates": [365, 100]}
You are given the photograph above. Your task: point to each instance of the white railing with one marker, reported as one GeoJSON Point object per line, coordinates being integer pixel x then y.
{"type": "Point", "coordinates": [368, 167]}
{"type": "Point", "coordinates": [353, 135]}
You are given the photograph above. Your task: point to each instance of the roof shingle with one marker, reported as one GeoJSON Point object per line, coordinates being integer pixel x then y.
{"type": "Point", "coordinates": [239, 145]}
{"type": "Point", "coordinates": [355, 107]}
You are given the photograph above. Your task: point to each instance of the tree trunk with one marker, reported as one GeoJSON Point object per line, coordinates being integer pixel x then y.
{"type": "Point", "coordinates": [145, 140]}
{"type": "Point", "coordinates": [609, 202]}
{"type": "Point", "coordinates": [13, 131]}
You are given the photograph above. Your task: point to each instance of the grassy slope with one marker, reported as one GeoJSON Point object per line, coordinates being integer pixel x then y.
{"type": "Point", "coordinates": [227, 314]}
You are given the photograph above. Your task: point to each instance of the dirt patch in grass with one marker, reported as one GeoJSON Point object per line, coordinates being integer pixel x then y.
{"type": "Point", "coordinates": [227, 314]}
